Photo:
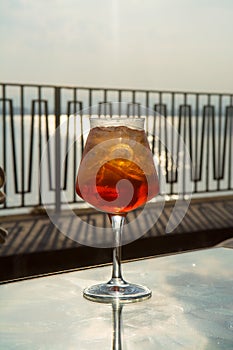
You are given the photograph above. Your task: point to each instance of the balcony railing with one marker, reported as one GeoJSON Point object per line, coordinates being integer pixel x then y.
{"type": "Point", "coordinates": [31, 114]}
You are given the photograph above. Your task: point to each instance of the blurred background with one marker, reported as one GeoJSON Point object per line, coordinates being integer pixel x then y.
{"type": "Point", "coordinates": [154, 44]}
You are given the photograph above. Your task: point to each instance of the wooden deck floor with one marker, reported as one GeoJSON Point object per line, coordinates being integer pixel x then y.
{"type": "Point", "coordinates": [206, 223]}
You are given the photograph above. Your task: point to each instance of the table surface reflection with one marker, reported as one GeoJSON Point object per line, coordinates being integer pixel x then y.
{"type": "Point", "coordinates": [191, 307]}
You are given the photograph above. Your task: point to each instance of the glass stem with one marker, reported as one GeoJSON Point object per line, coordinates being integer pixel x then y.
{"type": "Point", "coordinates": [117, 226]}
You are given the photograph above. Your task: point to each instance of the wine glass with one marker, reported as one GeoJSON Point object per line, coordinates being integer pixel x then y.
{"type": "Point", "coordinates": [117, 175]}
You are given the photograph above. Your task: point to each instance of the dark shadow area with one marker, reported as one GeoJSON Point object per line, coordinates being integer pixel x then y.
{"type": "Point", "coordinates": [35, 246]}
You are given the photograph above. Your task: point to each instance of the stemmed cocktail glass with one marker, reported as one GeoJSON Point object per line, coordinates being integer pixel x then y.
{"type": "Point", "coordinates": [117, 175]}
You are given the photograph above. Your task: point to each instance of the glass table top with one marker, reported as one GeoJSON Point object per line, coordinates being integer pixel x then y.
{"type": "Point", "coordinates": [191, 307]}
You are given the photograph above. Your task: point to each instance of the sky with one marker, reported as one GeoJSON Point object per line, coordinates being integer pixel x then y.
{"type": "Point", "coordinates": [152, 44]}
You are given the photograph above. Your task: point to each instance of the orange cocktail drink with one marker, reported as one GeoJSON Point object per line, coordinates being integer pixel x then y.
{"type": "Point", "coordinates": [117, 153]}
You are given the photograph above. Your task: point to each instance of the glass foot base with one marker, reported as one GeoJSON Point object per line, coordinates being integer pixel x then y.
{"type": "Point", "coordinates": [108, 293]}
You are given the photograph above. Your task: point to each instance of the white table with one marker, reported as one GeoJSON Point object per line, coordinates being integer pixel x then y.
{"type": "Point", "coordinates": [191, 307]}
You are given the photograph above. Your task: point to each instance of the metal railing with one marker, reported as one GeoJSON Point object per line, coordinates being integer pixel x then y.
{"type": "Point", "coordinates": [30, 114]}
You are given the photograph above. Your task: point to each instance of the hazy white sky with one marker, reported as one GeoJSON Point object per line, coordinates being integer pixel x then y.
{"type": "Point", "coordinates": [151, 44]}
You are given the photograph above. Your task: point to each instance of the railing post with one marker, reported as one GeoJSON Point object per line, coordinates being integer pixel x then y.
{"type": "Point", "coordinates": [57, 149]}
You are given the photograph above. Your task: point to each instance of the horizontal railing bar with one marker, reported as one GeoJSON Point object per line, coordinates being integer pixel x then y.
{"type": "Point", "coordinates": [177, 92]}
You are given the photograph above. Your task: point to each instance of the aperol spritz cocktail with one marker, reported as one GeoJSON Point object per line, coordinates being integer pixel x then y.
{"type": "Point", "coordinates": [117, 175]}
{"type": "Point", "coordinates": [121, 153]}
